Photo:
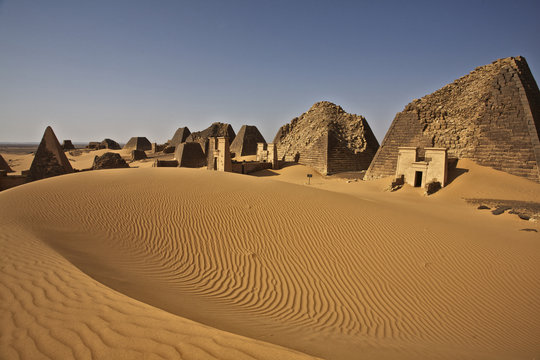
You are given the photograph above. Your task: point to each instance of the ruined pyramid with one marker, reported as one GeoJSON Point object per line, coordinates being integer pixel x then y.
{"type": "Point", "coordinates": [217, 129]}
{"type": "Point", "coordinates": [245, 142]}
{"type": "Point", "coordinates": [327, 139]}
{"type": "Point", "coordinates": [491, 116]}
{"type": "Point", "coordinates": [50, 159]}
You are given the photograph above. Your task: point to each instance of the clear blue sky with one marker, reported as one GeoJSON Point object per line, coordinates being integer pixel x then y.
{"type": "Point", "coordinates": [106, 68]}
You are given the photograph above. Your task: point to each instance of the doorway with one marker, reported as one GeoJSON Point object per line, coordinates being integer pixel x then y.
{"type": "Point", "coordinates": [418, 179]}
{"type": "Point", "coordinates": [215, 163]}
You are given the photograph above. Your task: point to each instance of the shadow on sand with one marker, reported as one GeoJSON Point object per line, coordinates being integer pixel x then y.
{"type": "Point", "coordinates": [453, 171]}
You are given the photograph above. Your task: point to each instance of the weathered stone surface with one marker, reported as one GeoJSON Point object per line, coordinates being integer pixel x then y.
{"type": "Point", "coordinates": [67, 145]}
{"type": "Point", "coordinates": [245, 142]}
{"type": "Point", "coordinates": [109, 161]}
{"type": "Point", "coordinates": [217, 129]}
{"type": "Point", "coordinates": [165, 163]}
{"type": "Point", "coordinates": [218, 156]}
{"type": "Point", "coordinates": [491, 116]}
{"type": "Point", "coordinates": [190, 154]}
{"type": "Point", "coordinates": [93, 145]}
{"type": "Point", "coordinates": [138, 155]}
{"type": "Point", "coordinates": [169, 149]}
{"type": "Point", "coordinates": [159, 147]}
{"type": "Point", "coordinates": [50, 159]}
{"type": "Point", "coordinates": [109, 144]}
{"type": "Point", "coordinates": [432, 187]}
{"type": "Point", "coordinates": [327, 139]}
{"type": "Point", "coordinates": [4, 165]}
{"type": "Point", "coordinates": [180, 136]}
{"type": "Point", "coordinates": [138, 143]}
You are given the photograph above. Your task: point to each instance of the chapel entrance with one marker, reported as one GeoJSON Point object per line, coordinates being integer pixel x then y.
{"type": "Point", "coordinates": [418, 179]}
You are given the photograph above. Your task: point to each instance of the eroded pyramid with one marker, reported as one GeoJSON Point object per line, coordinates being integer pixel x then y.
{"type": "Point", "coordinates": [327, 139]}
{"type": "Point", "coordinates": [491, 116]}
{"type": "Point", "coordinates": [217, 129]}
{"type": "Point", "coordinates": [245, 142]}
{"type": "Point", "coordinates": [50, 159]}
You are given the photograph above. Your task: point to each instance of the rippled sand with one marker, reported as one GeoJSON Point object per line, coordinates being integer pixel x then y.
{"type": "Point", "coordinates": [111, 264]}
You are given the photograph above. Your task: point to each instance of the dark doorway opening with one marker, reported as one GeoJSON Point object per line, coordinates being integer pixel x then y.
{"type": "Point", "coordinates": [418, 179]}
{"type": "Point", "coordinates": [215, 163]}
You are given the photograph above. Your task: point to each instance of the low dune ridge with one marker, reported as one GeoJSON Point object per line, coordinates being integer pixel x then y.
{"type": "Point", "coordinates": [337, 270]}
{"type": "Point", "coordinates": [49, 309]}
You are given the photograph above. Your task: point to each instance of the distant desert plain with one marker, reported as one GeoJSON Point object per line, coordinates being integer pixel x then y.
{"type": "Point", "coordinates": [179, 263]}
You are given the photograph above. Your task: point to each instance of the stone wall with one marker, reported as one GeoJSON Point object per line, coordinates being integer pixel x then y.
{"type": "Point", "coordinates": [491, 116]}
{"type": "Point", "coordinates": [250, 167]}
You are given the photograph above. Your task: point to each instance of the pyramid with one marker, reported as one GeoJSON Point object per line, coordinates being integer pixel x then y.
{"type": "Point", "coordinates": [180, 136]}
{"type": "Point", "coordinates": [328, 139]}
{"type": "Point", "coordinates": [138, 143]}
{"type": "Point", "coordinates": [109, 144]}
{"type": "Point", "coordinates": [4, 165]}
{"type": "Point", "coordinates": [245, 143]}
{"type": "Point", "coordinates": [217, 129]}
{"type": "Point", "coordinates": [50, 159]}
{"type": "Point", "coordinates": [491, 115]}
{"type": "Point", "coordinates": [68, 145]}
{"type": "Point", "coordinates": [190, 154]}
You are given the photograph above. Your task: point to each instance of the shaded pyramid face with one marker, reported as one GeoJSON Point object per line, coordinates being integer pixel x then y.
{"type": "Point", "coordinates": [50, 159]}
{"type": "Point", "coordinates": [491, 116]}
{"type": "Point", "coordinates": [180, 136]}
{"type": "Point", "coordinates": [245, 143]}
{"type": "Point", "coordinates": [4, 165]}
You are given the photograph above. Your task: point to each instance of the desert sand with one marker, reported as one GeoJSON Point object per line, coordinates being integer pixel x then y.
{"type": "Point", "coordinates": [187, 263]}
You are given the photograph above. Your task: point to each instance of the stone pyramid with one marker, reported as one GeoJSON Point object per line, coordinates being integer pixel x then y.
{"type": "Point", "coordinates": [4, 165]}
{"type": "Point", "coordinates": [328, 139]}
{"type": "Point", "coordinates": [190, 154]}
{"type": "Point", "coordinates": [245, 142]}
{"type": "Point", "coordinates": [50, 159]}
{"type": "Point", "coordinates": [138, 143]}
{"type": "Point", "coordinates": [491, 116]}
{"type": "Point", "coordinates": [217, 129]}
{"type": "Point", "coordinates": [109, 144]}
{"type": "Point", "coordinates": [180, 136]}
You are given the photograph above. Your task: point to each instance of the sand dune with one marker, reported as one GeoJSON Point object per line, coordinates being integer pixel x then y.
{"type": "Point", "coordinates": [337, 270]}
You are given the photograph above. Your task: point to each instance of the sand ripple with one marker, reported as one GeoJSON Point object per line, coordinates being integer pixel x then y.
{"type": "Point", "coordinates": [320, 272]}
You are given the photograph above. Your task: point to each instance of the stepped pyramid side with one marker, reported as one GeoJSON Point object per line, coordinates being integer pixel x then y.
{"type": "Point", "coordinates": [491, 116]}
{"type": "Point", "coordinates": [245, 142]}
{"type": "Point", "coordinates": [328, 139]}
{"type": "Point", "coordinates": [50, 159]}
